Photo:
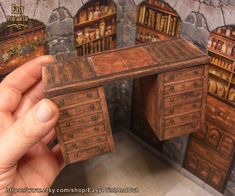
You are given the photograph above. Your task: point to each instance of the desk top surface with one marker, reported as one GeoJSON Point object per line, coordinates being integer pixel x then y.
{"type": "Point", "coordinates": [86, 72]}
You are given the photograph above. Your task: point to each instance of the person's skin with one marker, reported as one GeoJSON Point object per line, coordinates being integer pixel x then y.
{"type": "Point", "coordinates": [26, 128]}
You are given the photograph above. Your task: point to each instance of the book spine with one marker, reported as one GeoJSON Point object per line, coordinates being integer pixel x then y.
{"type": "Point", "coordinates": [143, 14]}
{"type": "Point", "coordinates": [173, 27]}
{"type": "Point", "coordinates": [168, 24]}
{"type": "Point", "coordinates": [140, 14]}
{"type": "Point", "coordinates": [158, 21]}
{"type": "Point", "coordinates": [165, 23]}
{"type": "Point", "coordinates": [162, 23]}
{"type": "Point", "coordinates": [178, 28]}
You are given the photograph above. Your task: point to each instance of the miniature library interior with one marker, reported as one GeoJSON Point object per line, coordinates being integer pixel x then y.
{"type": "Point", "coordinates": [184, 109]}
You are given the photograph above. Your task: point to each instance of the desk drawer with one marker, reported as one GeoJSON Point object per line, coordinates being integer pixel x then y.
{"type": "Point", "coordinates": [185, 86]}
{"type": "Point", "coordinates": [182, 130]}
{"type": "Point", "coordinates": [84, 154]}
{"type": "Point", "coordinates": [81, 122]}
{"type": "Point", "coordinates": [76, 98]}
{"type": "Point", "coordinates": [86, 142]}
{"type": "Point", "coordinates": [183, 74]}
{"type": "Point", "coordinates": [183, 98]}
{"type": "Point", "coordinates": [84, 132]}
{"type": "Point", "coordinates": [173, 110]}
{"type": "Point", "coordinates": [182, 119]}
{"type": "Point", "coordinates": [79, 110]}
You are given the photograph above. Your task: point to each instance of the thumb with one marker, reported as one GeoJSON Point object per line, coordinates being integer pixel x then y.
{"type": "Point", "coordinates": [26, 132]}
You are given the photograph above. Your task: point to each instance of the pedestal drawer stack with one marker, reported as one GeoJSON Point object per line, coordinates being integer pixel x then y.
{"type": "Point", "coordinates": [83, 127]}
{"type": "Point", "coordinates": [210, 151]}
{"type": "Point", "coordinates": [179, 107]}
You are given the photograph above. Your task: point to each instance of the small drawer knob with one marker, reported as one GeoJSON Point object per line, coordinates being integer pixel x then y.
{"type": "Point", "coordinates": [172, 131]}
{"type": "Point", "coordinates": [172, 99]}
{"type": "Point", "coordinates": [194, 115]}
{"type": "Point", "coordinates": [75, 98]}
{"type": "Point", "coordinates": [172, 76]}
{"type": "Point", "coordinates": [97, 128]}
{"type": "Point", "coordinates": [196, 83]}
{"type": "Point", "coordinates": [61, 101]}
{"type": "Point", "coordinates": [74, 145]}
{"type": "Point", "coordinates": [94, 118]}
{"type": "Point", "coordinates": [172, 88]}
{"type": "Point", "coordinates": [194, 125]}
{"type": "Point", "coordinates": [89, 95]}
{"type": "Point", "coordinates": [78, 110]}
{"type": "Point", "coordinates": [65, 113]}
{"type": "Point", "coordinates": [172, 121]}
{"type": "Point", "coordinates": [68, 124]}
{"type": "Point", "coordinates": [172, 110]}
{"type": "Point", "coordinates": [100, 139]}
{"type": "Point", "coordinates": [75, 154]}
{"type": "Point", "coordinates": [70, 135]}
{"type": "Point", "coordinates": [196, 72]}
{"type": "Point", "coordinates": [92, 106]}
{"type": "Point", "coordinates": [81, 121]}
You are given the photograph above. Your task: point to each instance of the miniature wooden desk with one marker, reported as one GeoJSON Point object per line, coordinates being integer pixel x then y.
{"type": "Point", "coordinates": [175, 90]}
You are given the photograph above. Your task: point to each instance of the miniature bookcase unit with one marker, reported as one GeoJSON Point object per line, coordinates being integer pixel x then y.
{"type": "Point", "coordinates": [174, 104]}
{"type": "Point", "coordinates": [19, 45]}
{"type": "Point", "coordinates": [95, 27]}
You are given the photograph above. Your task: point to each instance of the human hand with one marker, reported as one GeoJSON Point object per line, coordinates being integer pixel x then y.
{"type": "Point", "coordinates": [26, 128]}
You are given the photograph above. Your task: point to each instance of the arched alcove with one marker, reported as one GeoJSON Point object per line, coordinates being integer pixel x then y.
{"type": "Point", "coordinates": [19, 43]}
{"type": "Point", "coordinates": [95, 27]}
{"type": "Point", "coordinates": [221, 48]}
{"type": "Point", "coordinates": [156, 21]}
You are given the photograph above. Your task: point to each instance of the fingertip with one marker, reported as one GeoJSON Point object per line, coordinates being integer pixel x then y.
{"type": "Point", "coordinates": [46, 59]}
{"type": "Point", "coordinates": [46, 110]}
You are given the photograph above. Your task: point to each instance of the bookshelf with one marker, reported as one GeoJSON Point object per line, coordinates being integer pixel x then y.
{"type": "Point", "coordinates": [156, 21]}
{"type": "Point", "coordinates": [95, 27]}
{"type": "Point", "coordinates": [221, 48]}
{"type": "Point", "coordinates": [19, 45]}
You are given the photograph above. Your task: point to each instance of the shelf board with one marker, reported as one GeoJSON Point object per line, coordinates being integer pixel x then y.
{"type": "Point", "coordinates": [221, 54]}
{"type": "Point", "coordinates": [223, 37]}
{"type": "Point", "coordinates": [140, 41]}
{"type": "Point", "coordinates": [222, 99]}
{"type": "Point", "coordinates": [94, 40]}
{"type": "Point", "coordinates": [219, 77]}
{"type": "Point", "coordinates": [87, 23]}
{"type": "Point", "coordinates": [154, 30]}
{"type": "Point", "coordinates": [222, 67]}
{"type": "Point", "coordinates": [21, 33]}
{"type": "Point", "coordinates": [160, 9]}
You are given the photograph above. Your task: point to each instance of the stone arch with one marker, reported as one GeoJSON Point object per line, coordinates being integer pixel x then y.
{"type": "Point", "coordinates": [195, 29]}
{"type": "Point", "coordinates": [181, 7]}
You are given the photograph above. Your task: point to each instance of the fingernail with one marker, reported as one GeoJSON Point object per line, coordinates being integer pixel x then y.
{"type": "Point", "coordinates": [43, 112]}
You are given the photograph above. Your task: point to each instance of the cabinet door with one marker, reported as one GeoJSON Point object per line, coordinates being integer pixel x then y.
{"type": "Point", "coordinates": [227, 145]}
{"type": "Point", "coordinates": [192, 162]}
{"type": "Point", "coordinates": [213, 137]}
{"type": "Point", "coordinates": [217, 179]}
{"type": "Point", "coordinates": [204, 170]}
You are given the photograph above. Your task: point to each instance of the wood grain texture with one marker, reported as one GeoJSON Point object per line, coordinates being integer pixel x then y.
{"type": "Point", "coordinates": [99, 69]}
{"type": "Point", "coordinates": [75, 85]}
{"type": "Point", "coordinates": [210, 151]}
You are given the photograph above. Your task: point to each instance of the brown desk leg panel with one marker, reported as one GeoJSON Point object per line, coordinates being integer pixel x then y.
{"type": "Point", "coordinates": [83, 129]}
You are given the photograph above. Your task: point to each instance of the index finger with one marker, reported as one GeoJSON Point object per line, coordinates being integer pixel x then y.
{"type": "Point", "coordinates": [19, 81]}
